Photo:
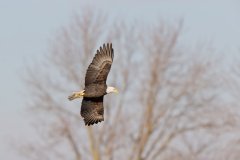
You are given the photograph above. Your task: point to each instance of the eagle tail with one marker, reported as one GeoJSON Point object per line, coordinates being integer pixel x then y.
{"type": "Point", "coordinates": [75, 95]}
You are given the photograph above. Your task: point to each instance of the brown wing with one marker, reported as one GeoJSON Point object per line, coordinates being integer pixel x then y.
{"type": "Point", "coordinates": [92, 110]}
{"type": "Point", "coordinates": [98, 70]}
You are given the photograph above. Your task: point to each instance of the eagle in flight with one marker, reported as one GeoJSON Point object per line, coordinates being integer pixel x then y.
{"type": "Point", "coordinates": [92, 109]}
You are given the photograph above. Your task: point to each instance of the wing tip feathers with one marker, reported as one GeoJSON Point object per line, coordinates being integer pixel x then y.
{"type": "Point", "coordinates": [92, 121]}
{"type": "Point", "coordinates": [106, 51]}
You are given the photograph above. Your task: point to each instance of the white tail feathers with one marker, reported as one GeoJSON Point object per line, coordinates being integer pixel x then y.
{"type": "Point", "coordinates": [76, 95]}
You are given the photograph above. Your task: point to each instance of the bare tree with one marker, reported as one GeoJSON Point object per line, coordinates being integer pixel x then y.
{"type": "Point", "coordinates": [231, 77]}
{"type": "Point", "coordinates": [167, 98]}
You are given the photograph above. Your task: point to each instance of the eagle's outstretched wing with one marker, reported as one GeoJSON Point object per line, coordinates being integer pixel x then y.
{"type": "Point", "coordinates": [92, 110]}
{"type": "Point", "coordinates": [98, 70]}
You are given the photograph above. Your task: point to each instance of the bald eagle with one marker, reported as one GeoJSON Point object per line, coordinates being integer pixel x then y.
{"type": "Point", "coordinates": [92, 109]}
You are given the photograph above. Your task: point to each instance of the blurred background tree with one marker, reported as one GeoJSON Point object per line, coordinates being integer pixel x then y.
{"type": "Point", "coordinates": [169, 105]}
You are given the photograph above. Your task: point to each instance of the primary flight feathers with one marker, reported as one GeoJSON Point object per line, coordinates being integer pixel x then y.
{"type": "Point", "coordinates": [101, 64]}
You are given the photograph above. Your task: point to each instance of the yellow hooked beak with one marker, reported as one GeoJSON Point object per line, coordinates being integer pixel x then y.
{"type": "Point", "coordinates": [115, 90]}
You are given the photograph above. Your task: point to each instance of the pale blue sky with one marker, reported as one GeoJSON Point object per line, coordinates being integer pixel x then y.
{"type": "Point", "coordinates": [26, 27]}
